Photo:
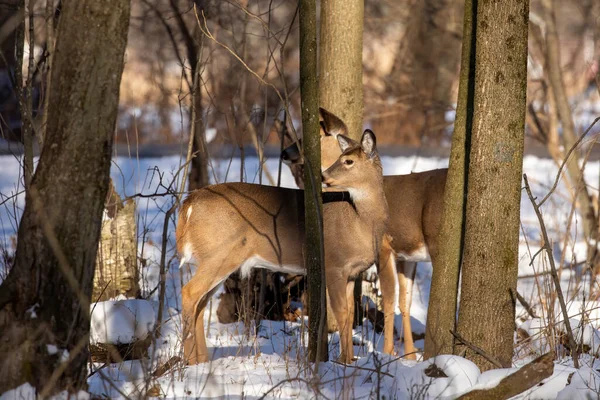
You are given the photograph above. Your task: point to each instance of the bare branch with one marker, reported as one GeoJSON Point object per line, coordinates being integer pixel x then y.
{"type": "Point", "coordinates": [546, 246]}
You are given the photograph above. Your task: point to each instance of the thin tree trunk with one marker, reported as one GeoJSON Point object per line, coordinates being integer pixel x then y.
{"type": "Point", "coordinates": [23, 95]}
{"type": "Point", "coordinates": [199, 165]}
{"type": "Point", "coordinates": [340, 79]}
{"type": "Point", "coordinates": [490, 261]}
{"type": "Point", "coordinates": [586, 208]}
{"type": "Point", "coordinates": [50, 41]}
{"type": "Point", "coordinates": [441, 315]}
{"type": "Point", "coordinates": [45, 299]}
{"type": "Point", "coordinates": [313, 241]}
{"type": "Point", "coordinates": [340, 62]}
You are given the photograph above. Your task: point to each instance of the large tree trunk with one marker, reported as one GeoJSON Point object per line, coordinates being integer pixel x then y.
{"type": "Point", "coordinates": [314, 260]}
{"type": "Point", "coordinates": [45, 299]}
{"type": "Point", "coordinates": [489, 272]}
{"type": "Point", "coordinates": [340, 62]}
{"type": "Point", "coordinates": [441, 315]}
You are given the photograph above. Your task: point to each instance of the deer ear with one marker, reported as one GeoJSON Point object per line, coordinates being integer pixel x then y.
{"type": "Point", "coordinates": [331, 124]}
{"type": "Point", "coordinates": [345, 142]}
{"type": "Point", "coordinates": [369, 143]}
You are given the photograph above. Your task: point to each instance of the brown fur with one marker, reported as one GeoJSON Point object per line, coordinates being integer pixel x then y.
{"type": "Point", "coordinates": [415, 206]}
{"type": "Point", "coordinates": [231, 223]}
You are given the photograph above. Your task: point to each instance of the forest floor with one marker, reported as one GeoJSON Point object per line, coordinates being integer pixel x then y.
{"type": "Point", "coordinates": [271, 361]}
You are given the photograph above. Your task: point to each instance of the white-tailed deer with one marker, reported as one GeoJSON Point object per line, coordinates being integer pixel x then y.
{"type": "Point", "coordinates": [235, 226]}
{"type": "Point", "coordinates": [415, 206]}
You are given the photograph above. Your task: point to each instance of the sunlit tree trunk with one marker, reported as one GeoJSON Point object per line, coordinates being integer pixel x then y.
{"type": "Point", "coordinates": [340, 61]}
{"type": "Point", "coordinates": [340, 78]}
{"type": "Point", "coordinates": [491, 244]}
{"type": "Point", "coordinates": [441, 314]}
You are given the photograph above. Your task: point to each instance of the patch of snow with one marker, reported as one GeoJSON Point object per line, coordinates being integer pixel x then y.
{"type": "Point", "coordinates": [23, 392]}
{"type": "Point", "coordinates": [122, 321]}
{"type": "Point", "coordinates": [52, 349]}
{"type": "Point", "coordinates": [28, 392]}
{"type": "Point", "coordinates": [585, 384]}
{"type": "Point", "coordinates": [31, 311]}
{"type": "Point", "coordinates": [462, 375]}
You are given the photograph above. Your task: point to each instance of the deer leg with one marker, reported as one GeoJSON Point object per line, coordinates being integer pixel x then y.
{"type": "Point", "coordinates": [194, 298]}
{"type": "Point", "coordinates": [332, 325]}
{"type": "Point", "coordinates": [341, 294]}
{"type": "Point", "coordinates": [388, 284]}
{"type": "Point", "coordinates": [406, 277]}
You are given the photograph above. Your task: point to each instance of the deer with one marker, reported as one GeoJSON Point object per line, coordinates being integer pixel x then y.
{"type": "Point", "coordinates": [415, 204]}
{"type": "Point", "coordinates": [239, 226]}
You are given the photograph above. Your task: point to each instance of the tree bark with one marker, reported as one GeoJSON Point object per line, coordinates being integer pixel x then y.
{"type": "Point", "coordinates": [314, 260]}
{"type": "Point", "coordinates": [340, 79]}
{"type": "Point", "coordinates": [45, 299]}
{"type": "Point", "coordinates": [199, 166]}
{"type": "Point", "coordinates": [340, 62]}
{"type": "Point", "coordinates": [489, 271]}
{"type": "Point", "coordinates": [518, 382]}
{"type": "Point", "coordinates": [441, 315]}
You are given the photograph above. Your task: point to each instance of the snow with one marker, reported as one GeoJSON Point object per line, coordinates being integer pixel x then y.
{"type": "Point", "coordinates": [461, 374]}
{"type": "Point", "coordinates": [272, 358]}
{"type": "Point", "coordinates": [122, 321]}
{"type": "Point", "coordinates": [585, 384]}
{"type": "Point", "coordinates": [28, 392]}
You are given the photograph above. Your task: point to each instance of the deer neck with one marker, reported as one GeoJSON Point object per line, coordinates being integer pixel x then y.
{"type": "Point", "coordinates": [370, 204]}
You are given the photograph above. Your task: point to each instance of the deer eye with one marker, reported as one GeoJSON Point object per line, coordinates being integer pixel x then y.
{"type": "Point", "coordinates": [348, 162]}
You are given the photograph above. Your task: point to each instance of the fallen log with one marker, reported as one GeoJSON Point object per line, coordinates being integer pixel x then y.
{"type": "Point", "coordinates": [525, 378]}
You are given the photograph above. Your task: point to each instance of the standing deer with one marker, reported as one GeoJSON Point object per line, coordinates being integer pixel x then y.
{"type": "Point", "coordinates": [239, 226]}
{"type": "Point", "coordinates": [415, 208]}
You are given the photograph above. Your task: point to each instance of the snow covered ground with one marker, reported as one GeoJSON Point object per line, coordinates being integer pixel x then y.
{"type": "Point", "coordinates": [272, 362]}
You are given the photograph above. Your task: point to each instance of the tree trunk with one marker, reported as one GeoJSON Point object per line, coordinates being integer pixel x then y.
{"type": "Point", "coordinates": [199, 164]}
{"type": "Point", "coordinates": [116, 271]}
{"type": "Point", "coordinates": [314, 260]}
{"type": "Point", "coordinates": [340, 68]}
{"type": "Point", "coordinates": [45, 299]}
{"type": "Point", "coordinates": [579, 189]}
{"type": "Point", "coordinates": [340, 80]}
{"type": "Point", "coordinates": [489, 272]}
{"type": "Point", "coordinates": [441, 315]}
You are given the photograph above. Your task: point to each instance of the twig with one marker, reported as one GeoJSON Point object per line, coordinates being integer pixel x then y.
{"type": "Point", "coordinates": [534, 256]}
{"type": "Point", "coordinates": [62, 367]}
{"type": "Point", "coordinates": [208, 34]}
{"type": "Point", "coordinates": [477, 350]}
{"type": "Point", "coordinates": [112, 384]}
{"type": "Point", "coordinates": [160, 371]}
{"type": "Point", "coordinates": [562, 165]}
{"type": "Point", "coordinates": [161, 293]}
{"type": "Point", "coordinates": [280, 383]}
{"type": "Point", "coordinates": [525, 305]}
{"type": "Point", "coordinates": [9, 198]}
{"type": "Point", "coordinates": [363, 368]}
{"type": "Point", "coordinates": [546, 246]}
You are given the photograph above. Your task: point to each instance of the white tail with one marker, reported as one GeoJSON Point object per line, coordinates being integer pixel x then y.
{"type": "Point", "coordinates": [236, 226]}
{"type": "Point", "coordinates": [415, 209]}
